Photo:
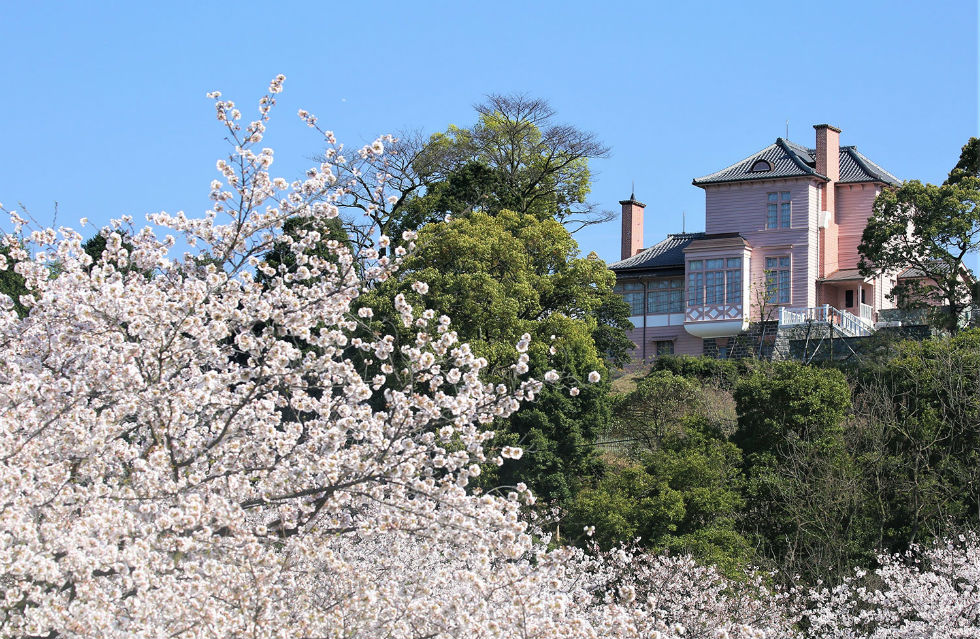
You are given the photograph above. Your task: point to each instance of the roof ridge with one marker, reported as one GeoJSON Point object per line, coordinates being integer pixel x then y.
{"type": "Point", "coordinates": [734, 164]}
{"type": "Point", "coordinates": [869, 167]}
{"type": "Point", "coordinates": [796, 158]}
{"type": "Point", "coordinates": [796, 144]}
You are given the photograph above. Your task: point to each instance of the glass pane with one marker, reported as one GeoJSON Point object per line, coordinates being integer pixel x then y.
{"type": "Point", "coordinates": [714, 264]}
{"type": "Point", "coordinates": [771, 216]}
{"type": "Point", "coordinates": [770, 263]}
{"type": "Point", "coordinates": [695, 293]}
{"type": "Point", "coordinates": [734, 262]}
{"type": "Point", "coordinates": [657, 301]}
{"type": "Point", "coordinates": [694, 265]}
{"type": "Point", "coordinates": [784, 261]}
{"type": "Point", "coordinates": [785, 195]}
{"type": "Point", "coordinates": [784, 222]}
{"type": "Point", "coordinates": [709, 288]}
{"type": "Point", "coordinates": [773, 197]}
{"type": "Point", "coordinates": [733, 291]}
{"type": "Point", "coordinates": [676, 283]}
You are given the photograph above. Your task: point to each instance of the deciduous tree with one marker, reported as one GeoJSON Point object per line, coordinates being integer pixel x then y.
{"type": "Point", "coordinates": [930, 229]}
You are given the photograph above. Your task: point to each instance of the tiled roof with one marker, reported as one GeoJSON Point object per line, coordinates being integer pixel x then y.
{"type": "Point", "coordinates": [789, 159]}
{"type": "Point", "coordinates": [668, 253]}
{"type": "Point", "coordinates": [855, 167]}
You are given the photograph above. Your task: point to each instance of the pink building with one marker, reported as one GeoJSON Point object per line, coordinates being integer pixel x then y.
{"type": "Point", "coordinates": [782, 229]}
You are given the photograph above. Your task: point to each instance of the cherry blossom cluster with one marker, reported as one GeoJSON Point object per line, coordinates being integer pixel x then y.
{"type": "Point", "coordinates": [928, 592]}
{"type": "Point", "coordinates": [214, 445]}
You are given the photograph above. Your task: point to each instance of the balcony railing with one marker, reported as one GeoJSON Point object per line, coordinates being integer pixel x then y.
{"type": "Point", "coordinates": [867, 313]}
{"type": "Point", "coordinates": [712, 312]}
{"type": "Point", "coordinates": [847, 323]}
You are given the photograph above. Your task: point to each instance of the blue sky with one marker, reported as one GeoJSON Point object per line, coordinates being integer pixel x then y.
{"type": "Point", "coordinates": [104, 108]}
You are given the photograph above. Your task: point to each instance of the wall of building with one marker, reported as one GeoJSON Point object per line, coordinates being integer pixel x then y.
{"type": "Point", "coordinates": [684, 343]}
{"type": "Point", "coordinates": [741, 208]}
{"type": "Point", "coordinates": [854, 202]}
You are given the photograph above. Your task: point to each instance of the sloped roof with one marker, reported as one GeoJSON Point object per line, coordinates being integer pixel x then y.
{"type": "Point", "coordinates": [845, 275]}
{"type": "Point", "coordinates": [668, 253]}
{"type": "Point", "coordinates": [855, 167]}
{"type": "Point", "coordinates": [789, 159]}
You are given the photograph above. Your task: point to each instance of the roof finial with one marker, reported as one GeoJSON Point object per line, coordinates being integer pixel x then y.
{"type": "Point", "coordinates": [632, 189]}
{"type": "Point", "coordinates": [787, 129]}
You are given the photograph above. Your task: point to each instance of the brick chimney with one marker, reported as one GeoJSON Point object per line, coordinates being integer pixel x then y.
{"type": "Point", "coordinates": [828, 164]}
{"type": "Point", "coordinates": [632, 227]}
{"type": "Point", "coordinates": [828, 160]}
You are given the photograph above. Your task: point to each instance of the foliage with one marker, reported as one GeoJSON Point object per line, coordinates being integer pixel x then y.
{"type": "Point", "coordinates": [724, 373]}
{"type": "Point", "coordinates": [932, 229]}
{"type": "Point", "coordinates": [515, 157]}
{"type": "Point", "coordinates": [918, 442]}
{"type": "Point", "coordinates": [800, 474]}
{"type": "Point", "coordinates": [678, 489]}
{"type": "Point", "coordinates": [506, 275]}
{"type": "Point", "coordinates": [538, 167]}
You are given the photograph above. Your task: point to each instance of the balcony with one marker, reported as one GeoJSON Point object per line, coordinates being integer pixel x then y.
{"type": "Point", "coordinates": [846, 323]}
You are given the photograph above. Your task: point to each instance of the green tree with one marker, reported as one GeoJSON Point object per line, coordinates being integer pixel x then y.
{"type": "Point", "coordinates": [932, 229]}
{"type": "Point", "coordinates": [803, 486]}
{"type": "Point", "coordinates": [500, 276]}
{"type": "Point", "coordinates": [918, 441]}
{"type": "Point", "coordinates": [678, 486]}
{"type": "Point", "coordinates": [515, 157]}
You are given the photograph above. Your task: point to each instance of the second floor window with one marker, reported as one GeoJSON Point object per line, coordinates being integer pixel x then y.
{"type": "Point", "coordinates": [714, 282]}
{"type": "Point", "coordinates": [778, 280]}
{"type": "Point", "coordinates": [779, 207]}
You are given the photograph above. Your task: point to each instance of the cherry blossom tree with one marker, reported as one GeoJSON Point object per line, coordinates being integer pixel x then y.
{"type": "Point", "coordinates": [189, 448]}
{"type": "Point", "coordinates": [931, 592]}
{"type": "Point", "coordinates": [211, 445]}
{"type": "Point", "coordinates": [174, 464]}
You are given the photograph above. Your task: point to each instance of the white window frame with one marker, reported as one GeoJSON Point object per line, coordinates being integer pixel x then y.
{"type": "Point", "coordinates": [725, 278]}
{"type": "Point", "coordinates": [779, 279]}
{"type": "Point", "coordinates": [779, 210]}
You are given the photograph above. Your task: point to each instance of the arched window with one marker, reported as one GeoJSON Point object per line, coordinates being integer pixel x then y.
{"type": "Point", "coordinates": [760, 166]}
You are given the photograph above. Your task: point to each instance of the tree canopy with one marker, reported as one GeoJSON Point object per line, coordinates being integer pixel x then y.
{"type": "Point", "coordinates": [930, 229]}
{"type": "Point", "coordinates": [505, 275]}
{"type": "Point", "coordinates": [515, 157]}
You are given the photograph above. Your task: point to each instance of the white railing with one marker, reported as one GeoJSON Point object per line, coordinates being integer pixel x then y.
{"type": "Point", "coordinates": [848, 323]}
{"type": "Point", "coordinates": [867, 313]}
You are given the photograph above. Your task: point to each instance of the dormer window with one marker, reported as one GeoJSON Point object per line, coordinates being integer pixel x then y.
{"type": "Point", "coordinates": [760, 166]}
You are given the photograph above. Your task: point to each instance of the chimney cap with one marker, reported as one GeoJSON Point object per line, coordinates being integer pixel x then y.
{"type": "Point", "coordinates": [826, 126]}
{"type": "Point", "coordinates": [633, 201]}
